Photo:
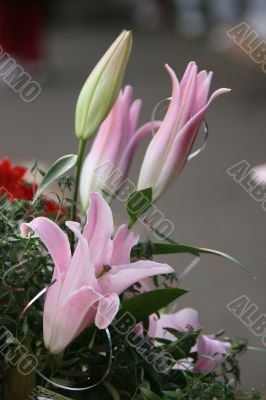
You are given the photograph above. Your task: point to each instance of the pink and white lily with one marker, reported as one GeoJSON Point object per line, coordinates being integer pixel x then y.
{"type": "Point", "coordinates": [114, 146]}
{"type": "Point", "coordinates": [88, 283]}
{"type": "Point", "coordinates": [210, 350]}
{"type": "Point", "coordinates": [170, 147]}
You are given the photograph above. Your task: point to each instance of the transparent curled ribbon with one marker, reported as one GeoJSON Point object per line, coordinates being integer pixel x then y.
{"type": "Point", "coordinates": [154, 118]}
{"type": "Point", "coordinates": [5, 276]}
{"type": "Point", "coordinates": [58, 385]}
{"type": "Point", "coordinates": [206, 135]}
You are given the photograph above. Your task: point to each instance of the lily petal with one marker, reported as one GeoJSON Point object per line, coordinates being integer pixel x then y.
{"type": "Point", "coordinates": [98, 231]}
{"type": "Point", "coordinates": [157, 150]}
{"type": "Point", "coordinates": [134, 115]}
{"type": "Point", "coordinates": [123, 242]}
{"type": "Point", "coordinates": [77, 312]}
{"type": "Point", "coordinates": [210, 353]}
{"type": "Point", "coordinates": [181, 321]}
{"type": "Point", "coordinates": [81, 270]}
{"type": "Point", "coordinates": [53, 238]}
{"type": "Point", "coordinates": [133, 144]}
{"type": "Point", "coordinates": [187, 91]}
{"type": "Point", "coordinates": [203, 87]}
{"type": "Point", "coordinates": [107, 310]}
{"type": "Point", "coordinates": [50, 305]}
{"type": "Point", "coordinates": [122, 277]}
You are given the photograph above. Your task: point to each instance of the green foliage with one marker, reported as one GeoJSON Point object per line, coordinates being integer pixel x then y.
{"type": "Point", "coordinates": [175, 248]}
{"type": "Point", "coordinates": [59, 168]}
{"type": "Point", "coordinates": [153, 300]}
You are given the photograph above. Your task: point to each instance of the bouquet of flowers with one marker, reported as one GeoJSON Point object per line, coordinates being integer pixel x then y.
{"type": "Point", "coordinates": [88, 310]}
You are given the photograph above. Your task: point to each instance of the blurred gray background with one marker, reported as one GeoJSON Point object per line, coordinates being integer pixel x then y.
{"type": "Point", "coordinates": [207, 207]}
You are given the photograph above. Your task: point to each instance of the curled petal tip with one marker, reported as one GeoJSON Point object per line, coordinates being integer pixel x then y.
{"type": "Point", "coordinates": [224, 90]}
{"type": "Point", "coordinates": [168, 68]}
{"type": "Point", "coordinates": [171, 72]}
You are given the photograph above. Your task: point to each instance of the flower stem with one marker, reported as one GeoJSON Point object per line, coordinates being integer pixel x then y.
{"type": "Point", "coordinates": [81, 150]}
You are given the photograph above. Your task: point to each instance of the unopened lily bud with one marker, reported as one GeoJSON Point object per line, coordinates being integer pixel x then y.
{"type": "Point", "coordinates": [102, 87]}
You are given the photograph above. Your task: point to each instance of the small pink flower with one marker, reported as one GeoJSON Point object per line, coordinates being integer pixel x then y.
{"type": "Point", "coordinates": [210, 350]}
{"type": "Point", "coordinates": [170, 147]}
{"type": "Point", "coordinates": [88, 283]}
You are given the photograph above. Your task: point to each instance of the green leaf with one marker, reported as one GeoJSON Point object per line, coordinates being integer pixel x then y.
{"type": "Point", "coordinates": [165, 248]}
{"type": "Point", "coordinates": [181, 347]}
{"type": "Point", "coordinates": [138, 202]}
{"type": "Point", "coordinates": [60, 167]}
{"type": "Point", "coordinates": [145, 304]}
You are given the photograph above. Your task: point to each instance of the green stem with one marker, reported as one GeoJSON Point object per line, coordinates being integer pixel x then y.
{"type": "Point", "coordinates": [81, 149]}
{"type": "Point", "coordinates": [47, 362]}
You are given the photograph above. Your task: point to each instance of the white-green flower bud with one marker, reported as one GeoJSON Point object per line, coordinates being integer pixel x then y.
{"type": "Point", "coordinates": [102, 87]}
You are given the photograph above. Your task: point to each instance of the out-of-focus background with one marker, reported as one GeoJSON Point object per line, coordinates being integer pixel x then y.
{"type": "Point", "coordinates": [58, 43]}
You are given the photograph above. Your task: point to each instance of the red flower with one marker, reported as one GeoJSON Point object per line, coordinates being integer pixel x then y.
{"type": "Point", "coordinates": [12, 183]}
{"type": "Point", "coordinates": [52, 208]}
{"type": "Point", "coordinates": [13, 186]}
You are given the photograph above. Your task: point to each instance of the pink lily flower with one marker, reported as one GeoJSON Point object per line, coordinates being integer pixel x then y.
{"type": "Point", "coordinates": [114, 146]}
{"type": "Point", "coordinates": [210, 351]}
{"type": "Point", "coordinates": [170, 147]}
{"type": "Point", "coordinates": [88, 283]}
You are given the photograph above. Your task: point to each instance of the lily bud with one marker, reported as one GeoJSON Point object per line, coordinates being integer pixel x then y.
{"type": "Point", "coordinates": [211, 351]}
{"type": "Point", "coordinates": [114, 145]}
{"type": "Point", "coordinates": [102, 87]}
{"type": "Point", "coordinates": [169, 149]}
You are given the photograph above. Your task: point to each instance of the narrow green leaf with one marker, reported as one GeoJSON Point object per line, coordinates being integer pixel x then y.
{"type": "Point", "coordinates": [138, 202]}
{"type": "Point", "coordinates": [60, 167]}
{"type": "Point", "coordinates": [145, 304]}
{"type": "Point", "coordinates": [166, 248]}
